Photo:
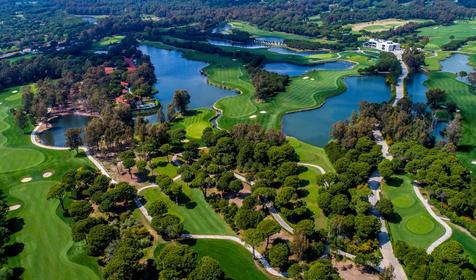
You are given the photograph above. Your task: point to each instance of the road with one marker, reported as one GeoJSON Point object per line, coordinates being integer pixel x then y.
{"type": "Point", "coordinates": [400, 82]}
{"type": "Point", "coordinates": [386, 249]}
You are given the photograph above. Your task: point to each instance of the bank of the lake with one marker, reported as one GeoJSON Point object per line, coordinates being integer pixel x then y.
{"type": "Point", "coordinates": [55, 134]}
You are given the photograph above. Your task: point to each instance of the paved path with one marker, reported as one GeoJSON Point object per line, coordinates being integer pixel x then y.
{"type": "Point", "coordinates": [386, 249]}
{"type": "Point", "coordinates": [400, 82]}
{"type": "Point", "coordinates": [448, 230]}
{"type": "Point", "coordinates": [313, 165]}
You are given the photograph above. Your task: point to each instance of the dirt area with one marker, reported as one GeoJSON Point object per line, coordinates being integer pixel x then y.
{"type": "Point", "coordinates": [238, 199]}
{"type": "Point", "coordinates": [350, 271]}
{"type": "Point", "coordinates": [379, 25]}
{"type": "Point", "coordinates": [119, 173]}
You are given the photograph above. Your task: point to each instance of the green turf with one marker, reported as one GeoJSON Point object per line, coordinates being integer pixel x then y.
{"type": "Point", "coordinates": [46, 237]}
{"type": "Point", "coordinates": [311, 154]}
{"type": "Point", "coordinates": [235, 261]}
{"type": "Point", "coordinates": [312, 196]}
{"type": "Point", "coordinates": [468, 242]}
{"type": "Point", "coordinates": [416, 226]}
{"type": "Point", "coordinates": [433, 61]}
{"type": "Point", "coordinates": [106, 41]}
{"type": "Point", "coordinates": [166, 168]}
{"type": "Point", "coordinates": [194, 122]}
{"type": "Point", "coordinates": [197, 215]}
{"type": "Point", "coordinates": [440, 35]}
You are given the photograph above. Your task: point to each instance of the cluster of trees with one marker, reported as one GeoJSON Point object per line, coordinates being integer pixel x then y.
{"type": "Point", "coordinates": [344, 197]}
{"type": "Point", "coordinates": [8, 226]}
{"type": "Point", "coordinates": [109, 230]}
{"type": "Point", "coordinates": [414, 59]}
{"type": "Point", "coordinates": [386, 63]}
{"type": "Point", "coordinates": [447, 261]}
{"type": "Point", "coordinates": [310, 45]}
{"type": "Point", "coordinates": [454, 45]}
{"type": "Point", "coordinates": [267, 84]}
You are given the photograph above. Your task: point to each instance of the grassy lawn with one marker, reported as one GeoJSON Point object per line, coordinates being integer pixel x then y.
{"type": "Point", "coordinates": [312, 196]}
{"type": "Point", "coordinates": [255, 31]}
{"type": "Point", "coordinates": [197, 215]}
{"type": "Point", "coordinates": [236, 261]}
{"type": "Point", "coordinates": [194, 122]}
{"type": "Point", "coordinates": [166, 168]}
{"type": "Point", "coordinates": [414, 225]}
{"type": "Point", "coordinates": [382, 25]}
{"type": "Point", "coordinates": [110, 40]}
{"type": "Point", "coordinates": [470, 47]}
{"type": "Point", "coordinates": [47, 253]}
{"type": "Point", "coordinates": [433, 61]}
{"type": "Point", "coordinates": [311, 154]}
{"type": "Point", "coordinates": [440, 35]}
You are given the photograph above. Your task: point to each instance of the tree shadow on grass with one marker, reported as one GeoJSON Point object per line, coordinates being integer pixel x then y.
{"type": "Point", "coordinates": [190, 205]}
{"type": "Point", "coordinates": [302, 169]}
{"type": "Point", "coordinates": [14, 249]}
{"type": "Point", "coordinates": [188, 241]}
{"type": "Point", "coordinates": [15, 224]}
{"type": "Point", "coordinates": [394, 218]}
{"type": "Point", "coordinates": [394, 182]}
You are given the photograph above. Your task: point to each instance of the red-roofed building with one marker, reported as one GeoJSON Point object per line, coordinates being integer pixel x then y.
{"type": "Point", "coordinates": [108, 70]}
{"type": "Point", "coordinates": [131, 66]}
{"type": "Point", "coordinates": [122, 99]}
{"type": "Point", "coordinates": [124, 84]}
{"type": "Point", "coordinates": [125, 91]}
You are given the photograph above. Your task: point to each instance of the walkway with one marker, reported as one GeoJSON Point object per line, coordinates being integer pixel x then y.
{"type": "Point", "coordinates": [400, 82]}
{"type": "Point", "coordinates": [144, 211]}
{"type": "Point", "coordinates": [448, 230]}
{"type": "Point", "coordinates": [386, 249]}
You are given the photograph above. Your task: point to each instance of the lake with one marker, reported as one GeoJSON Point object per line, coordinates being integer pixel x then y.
{"type": "Point", "coordinates": [416, 90]}
{"type": "Point", "coordinates": [456, 63]}
{"type": "Point", "coordinates": [314, 126]}
{"type": "Point", "coordinates": [175, 72]}
{"type": "Point", "coordinates": [298, 70]}
{"type": "Point", "coordinates": [55, 135]}
{"type": "Point", "coordinates": [438, 131]}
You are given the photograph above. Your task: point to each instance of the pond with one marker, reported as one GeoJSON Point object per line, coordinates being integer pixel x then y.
{"type": "Point", "coordinates": [298, 70]}
{"type": "Point", "coordinates": [416, 90]}
{"type": "Point", "coordinates": [439, 131]}
{"type": "Point", "coordinates": [314, 126]}
{"type": "Point", "coordinates": [175, 72]}
{"type": "Point", "coordinates": [55, 135]}
{"type": "Point", "coordinates": [457, 63]}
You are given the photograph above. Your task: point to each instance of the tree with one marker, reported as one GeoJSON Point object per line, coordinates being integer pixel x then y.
{"type": "Point", "coordinates": [385, 207]}
{"type": "Point", "coordinates": [157, 208]}
{"type": "Point", "coordinates": [168, 226]}
{"type": "Point", "coordinates": [160, 113]}
{"type": "Point", "coordinates": [21, 119]}
{"type": "Point", "coordinates": [248, 218]}
{"type": "Point", "coordinates": [472, 78]}
{"type": "Point", "coordinates": [128, 160]}
{"type": "Point", "coordinates": [434, 97]}
{"type": "Point", "coordinates": [268, 228]}
{"type": "Point", "coordinates": [278, 255]}
{"type": "Point", "coordinates": [165, 149]}
{"type": "Point", "coordinates": [385, 168]}
{"type": "Point", "coordinates": [181, 100]}
{"type": "Point", "coordinates": [321, 270]}
{"type": "Point", "coordinates": [207, 269]}
{"type": "Point", "coordinates": [253, 237]}
{"type": "Point", "coordinates": [58, 191]}
{"type": "Point", "coordinates": [170, 112]}
{"type": "Point", "coordinates": [300, 244]}
{"type": "Point", "coordinates": [81, 228]}
{"type": "Point", "coordinates": [79, 209]}
{"type": "Point", "coordinates": [99, 238]}
{"type": "Point", "coordinates": [73, 138]}
{"type": "Point", "coordinates": [177, 260]}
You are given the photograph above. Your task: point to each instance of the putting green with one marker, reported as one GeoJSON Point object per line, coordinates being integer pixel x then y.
{"type": "Point", "coordinates": [403, 201]}
{"type": "Point", "coordinates": [23, 159]}
{"type": "Point", "coordinates": [419, 224]}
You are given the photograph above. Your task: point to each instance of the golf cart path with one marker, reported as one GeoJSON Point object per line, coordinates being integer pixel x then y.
{"type": "Point", "coordinates": [448, 230]}
{"type": "Point", "coordinates": [144, 211]}
{"type": "Point", "coordinates": [399, 87]}
{"type": "Point", "coordinates": [386, 249]}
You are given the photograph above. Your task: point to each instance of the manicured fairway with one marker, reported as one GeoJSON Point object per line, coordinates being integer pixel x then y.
{"type": "Point", "coordinates": [311, 154]}
{"type": "Point", "coordinates": [382, 25]}
{"type": "Point", "coordinates": [416, 226]}
{"type": "Point", "coordinates": [197, 215]}
{"type": "Point", "coordinates": [195, 122]}
{"type": "Point", "coordinates": [46, 237]}
{"type": "Point", "coordinates": [166, 168]}
{"type": "Point", "coordinates": [313, 195]}
{"type": "Point", "coordinates": [235, 261]}
{"type": "Point", "coordinates": [440, 35]}
{"type": "Point", "coordinates": [255, 31]}
{"type": "Point", "coordinates": [468, 242]}
{"type": "Point", "coordinates": [106, 41]}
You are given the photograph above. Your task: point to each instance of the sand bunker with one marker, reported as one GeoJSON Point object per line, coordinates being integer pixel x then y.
{"type": "Point", "coordinates": [15, 91]}
{"type": "Point", "coordinates": [312, 79]}
{"type": "Point", "coordinates": [14, 207]}
{"type": "Point", "coordinates": [473, 162]}
{"type": "Point", "coordinates": [305, 78]}
{"type": "Point", "coordinates": [263, 112]}
{"type": "Point", "coordinates": [47, 174]}
{"type": "Point", "coordinates": [253, 117]}
{"type": "Point", "coordinates": [26, 179]}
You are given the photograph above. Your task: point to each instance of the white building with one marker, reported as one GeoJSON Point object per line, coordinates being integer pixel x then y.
{"type": "Point", "coordinates": [387, 46]}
